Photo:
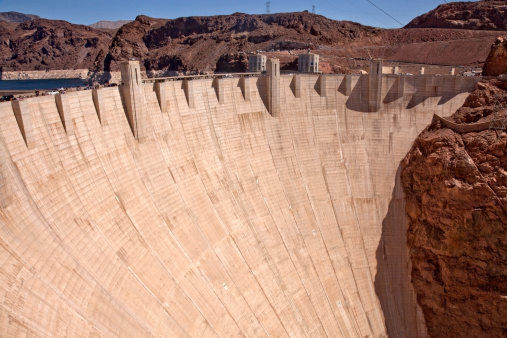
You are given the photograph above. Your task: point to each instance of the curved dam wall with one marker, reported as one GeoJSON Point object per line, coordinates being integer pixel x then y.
{"type": "Point", "coordinates": [219, 219]}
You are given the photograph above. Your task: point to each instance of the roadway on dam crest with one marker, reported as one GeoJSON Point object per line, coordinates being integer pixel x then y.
{"type": "Point", "coordinates": [219, 219]}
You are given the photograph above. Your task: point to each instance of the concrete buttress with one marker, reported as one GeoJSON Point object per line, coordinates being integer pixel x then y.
{"type": "Point", "coordinates": [133, 98]}
{"type": "Point", "coordinates": [273, 86]}
{"type": "Point", "coordinates": [24, 121]}
{"type": "Point", "coordinates": [374, 85]}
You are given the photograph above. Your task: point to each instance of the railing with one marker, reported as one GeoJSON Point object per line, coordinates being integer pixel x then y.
{"type": "Point", "coordinates": [462, 128]}
{"type": "Point", "coordinates": [204, 76]}
{"type": "Point", "coordinates": [499, 121]}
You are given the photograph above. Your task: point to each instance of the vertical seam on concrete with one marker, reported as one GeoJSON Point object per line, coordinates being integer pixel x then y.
{"type": "Point", "coordinates": [380, 319]}
{"type": "Point", "coordinates": [204, 236]}
{"type": "Point", "coordinates": [218, 150]}
{"type": "Point", "coordinates": [240, 204]}
{"type": "Point", "coordinates": [263, 248]}
{"type": "Point", "coordinates": [135, 228]}
{"type": "Point", "coordinates": [283, 239]}
{"type": "Point", "coordinates": [358, 226]}
{"type": "Point", "coordinates": [177, 187]}
{"type": "Point", "coordinates": [184, 253]}
{"type": "Point", "coordinates": [20, 182]}
{"type": "Point", "coordinates": [318, 222]}
{"type": "Point", "coordinates": [323, 289]}
{"type": "Point", "coordinates": [315, 216]}
{"type": "Point", "coordinates": [106, 176]}
{"type": "Point", "coordinates": [68, 251]}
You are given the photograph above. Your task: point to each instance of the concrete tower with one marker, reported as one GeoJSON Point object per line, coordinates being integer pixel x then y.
{"type": "Point", "coordinates": [308, 63]}
{"type": "Point", "coordinates": [273, 86]}
{"type": "Point", "coordinates": [256, 63]}
{"type": "Point", "coordinates": [374, 85]}
{"type": "Point", "coordinates": [133, 96]}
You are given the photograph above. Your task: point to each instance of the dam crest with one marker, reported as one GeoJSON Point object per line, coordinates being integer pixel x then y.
{"type": "Point", "coordinates": [244, 206]}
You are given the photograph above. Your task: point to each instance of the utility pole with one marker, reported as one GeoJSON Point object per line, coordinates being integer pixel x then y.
{"type": "Point", "coordinates": [268, 7]}
{"type": "Point", "coordinates": [313, 9]}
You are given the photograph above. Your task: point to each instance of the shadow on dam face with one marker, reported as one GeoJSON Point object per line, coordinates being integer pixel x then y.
{"type": "Point", "coordinates": [392, 284]}
{"type": "Point", "coordinates": [218, 219]}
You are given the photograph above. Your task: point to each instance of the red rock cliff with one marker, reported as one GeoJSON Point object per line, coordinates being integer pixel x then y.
{"type": "Point", "coordinates": [496, 62]}
{"type": "Point", "coordinates": [456, 202]}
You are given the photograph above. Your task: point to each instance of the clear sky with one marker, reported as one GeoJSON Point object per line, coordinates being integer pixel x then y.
{"type": "Point", "coordinates": [90, 11]}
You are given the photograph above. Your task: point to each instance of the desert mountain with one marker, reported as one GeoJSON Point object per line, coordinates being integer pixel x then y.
{"type": "Point", "coordinates": [17, 17]}
{"type": "Point", "coordinates": [485, 15]}
{"type": "Point", "coordinates": [43, 44]}
{"type": "Point", "coordinates": [199, 43]}
{"type": "Point", "coordinates": [220, 43]}
{"type": "Point", "coordinates": [217, 43]}
{"type": "Point", "coordinates": [109, 24]}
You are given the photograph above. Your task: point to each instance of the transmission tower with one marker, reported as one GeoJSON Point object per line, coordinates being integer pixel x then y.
{"type": "Point", "coordinates": [313, 9]}
{"type": "Point", "coordinates": [499, 122]}
{"type": "Point", "coordinates": [268, 7]}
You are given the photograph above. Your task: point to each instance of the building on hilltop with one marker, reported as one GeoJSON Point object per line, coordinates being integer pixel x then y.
{"type": "Point", "coordinates": [256, 63]}
{"type": "Point", "coordinates": [308, 63]}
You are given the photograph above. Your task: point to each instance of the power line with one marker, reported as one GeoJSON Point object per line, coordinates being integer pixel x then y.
{"type": "Point", "coordinates": [385, 13]}
{"type": "Point", "coordinates": [360, 7]}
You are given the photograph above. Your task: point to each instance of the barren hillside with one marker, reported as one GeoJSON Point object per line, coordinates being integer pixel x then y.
{"type": "Point", "coordinates": [483, 15]}
{"type": "Point", "coordinates": [220, 43]}
{"type": "Point", "coordinates": [42, 44]}
{"type": "Point", "coordinates": [16, 17]}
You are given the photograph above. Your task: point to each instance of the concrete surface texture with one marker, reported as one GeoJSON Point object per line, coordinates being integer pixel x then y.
{"type": "Point", "coordinates": [219, 219]}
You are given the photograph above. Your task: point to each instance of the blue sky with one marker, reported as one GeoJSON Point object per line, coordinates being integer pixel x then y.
{"type": "Point", "coordinates": [90, 11]}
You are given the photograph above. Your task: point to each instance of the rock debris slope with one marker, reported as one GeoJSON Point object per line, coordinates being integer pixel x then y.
{"type": "Point", "coordinates": [221, 220]}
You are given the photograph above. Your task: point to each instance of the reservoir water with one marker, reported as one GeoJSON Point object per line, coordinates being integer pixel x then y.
{"type": "Point", "coordinates": [42, 84]}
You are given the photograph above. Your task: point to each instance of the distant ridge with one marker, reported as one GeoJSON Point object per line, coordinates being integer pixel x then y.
{"type": "Point", "coordinates": [221, 43]}
{"type": "Point", "coordinates": [109, 24]}
{"type": "Point", "coordinates": [478, 15]}
{"type": "Point", "coordinates": [17, 17]}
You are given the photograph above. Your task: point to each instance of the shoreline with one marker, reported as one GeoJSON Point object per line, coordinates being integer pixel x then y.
{"type": "Point", "coordinates": [83, 74]}
{"type": "Point", "coordinates": [17, 92]}
{"type": "Point", "coordinates": [40, 75]}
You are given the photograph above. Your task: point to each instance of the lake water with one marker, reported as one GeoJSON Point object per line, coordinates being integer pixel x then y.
{"type": "Point", "coordinates": [43, 84]}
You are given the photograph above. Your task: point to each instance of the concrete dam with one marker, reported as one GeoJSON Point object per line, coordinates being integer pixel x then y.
{"type": "Point", "coordinates": [225, 207]}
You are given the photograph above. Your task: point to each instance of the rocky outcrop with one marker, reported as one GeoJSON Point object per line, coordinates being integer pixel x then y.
{"type": "Point", "coordinates": [482, 15]}
{"type": "Point", "coordinates": [456, 201]}
{"type": "Point", "coordinates": [203, 43]}
{"type": "Point", "coordinates": [232, 63]}
{"type": "Point", "coordinates": [17, 17]}
{"type": "Point", "coordinates": [109, 24]}
{"type": "Point", "coordinates": [45, 45]}
{"type": "Point", "coordinates": [496, 62]}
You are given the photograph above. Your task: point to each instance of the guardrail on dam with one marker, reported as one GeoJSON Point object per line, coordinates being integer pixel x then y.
{"type": "Point", "coordinates": [256, 206]}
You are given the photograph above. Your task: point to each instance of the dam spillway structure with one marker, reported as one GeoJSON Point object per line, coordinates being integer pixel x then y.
{"type": "Point", "coordinates": [186, 208]}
